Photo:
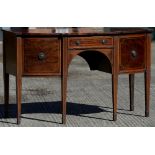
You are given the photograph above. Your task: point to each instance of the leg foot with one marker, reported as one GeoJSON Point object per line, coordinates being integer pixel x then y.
{"type": "Point", "coordinates": [63, 119]}
{"type": "Point", "coordinates": [18, 120]}
{"type": "Point", "coordinates": [114, 116]}
{"type": "Point", "coordinates": [147, 114]}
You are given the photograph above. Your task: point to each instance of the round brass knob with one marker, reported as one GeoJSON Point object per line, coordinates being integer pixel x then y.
{"type": "Point", "coordinates": [133, 53]}
{"type": "Point", "coordinates": [41, 56]}
{"type": "Point", "coordinates": [77, 42]}
{"type": "Point", "coordinates": [104, 41]}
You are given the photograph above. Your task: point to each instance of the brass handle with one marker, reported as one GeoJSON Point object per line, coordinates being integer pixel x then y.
{"type": "Point", "coordinates": [104, 41]}
{"type": "Point", "coordinates": [134, 54]}
{"type": "Point", "coordinates": [77, 42]}
{"type": "Point", "coordinates": [41, 56]}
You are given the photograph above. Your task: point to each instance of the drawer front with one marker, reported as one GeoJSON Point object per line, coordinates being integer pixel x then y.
{"type": "Point", "coordinates": [132, 53]}
{"type": "Point", "coordinates": [41, 56]}
{"type": "Point", "coordinates": [89, 42]}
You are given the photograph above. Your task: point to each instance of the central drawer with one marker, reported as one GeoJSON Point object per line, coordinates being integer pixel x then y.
{"type": "Point", "coordinates": [42, 56]}
{"type": "Point", "coordinates": [90, 42]}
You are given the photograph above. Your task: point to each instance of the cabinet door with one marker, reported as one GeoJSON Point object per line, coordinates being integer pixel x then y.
{"type": "Point", "coordinates": [42, 56]}
{"type": "Point", "coordinates": [132, 53]}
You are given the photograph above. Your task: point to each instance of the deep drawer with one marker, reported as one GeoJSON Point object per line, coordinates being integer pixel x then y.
{"type": "Point", "coordinates": [42, 56]}
{"type": "Point", "coordinates": [132, 53]}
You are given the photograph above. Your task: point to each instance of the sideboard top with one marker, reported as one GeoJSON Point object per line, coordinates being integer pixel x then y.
{"type": "Point", "coordinates": [76, 31]}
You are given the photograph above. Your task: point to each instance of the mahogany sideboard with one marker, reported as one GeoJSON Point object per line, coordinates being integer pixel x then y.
{"type": "Point", "coordinates": [49, 51]}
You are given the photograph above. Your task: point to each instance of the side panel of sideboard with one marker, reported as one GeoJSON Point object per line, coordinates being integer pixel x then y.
{"type": "Point", "coordinates": [9, 52]}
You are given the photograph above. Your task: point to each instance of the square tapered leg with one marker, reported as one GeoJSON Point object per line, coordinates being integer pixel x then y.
{"type": "Point", "coordinates": [6, 94]}
{"type": "Point", "coordinates": [131, 91]}
{"type": "Point", "coordinates": [114, 95]}
{"type": "Point", "coordinates": [147, 92]}
{"type": "Point", "coordinates": [18, 97]}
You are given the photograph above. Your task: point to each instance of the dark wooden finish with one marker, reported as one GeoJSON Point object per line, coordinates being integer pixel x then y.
{"type": "Point", "coordinates": [18, 97]}
{"type": "Point", "coordinates": [79, 32]}
{"type": "Point", "coordinates": [19, 28]}
{"type": "Point", "coordinates": [114, 95]}
{"type": "Point", "coordinates": [48, 52]}
{"type": "Point", "coordinates": [6, 83]}
{"type": "Point", "coordinates": [90, 42]}
{"type": "Point", "coordinates": [64, 79]}
{"type": "Point", "coordinates": [19, 78]}
{"type": "Point", "coordinates": [148, 75]}
{"type": "Point", "coordinates": [115, 76]}
{"type": "Point", "coordinates": [9, 63]}
{"type": "Point", "coordinates": [49, 63]}
{"type": "Point", "coordinates": [10, 56]}
{"type": "Point", "coordinates": [131, 91]}
{"type": "Point", "coordinates": [132, 53]}
{"type": "Point", "coordinates": [6, 94]}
